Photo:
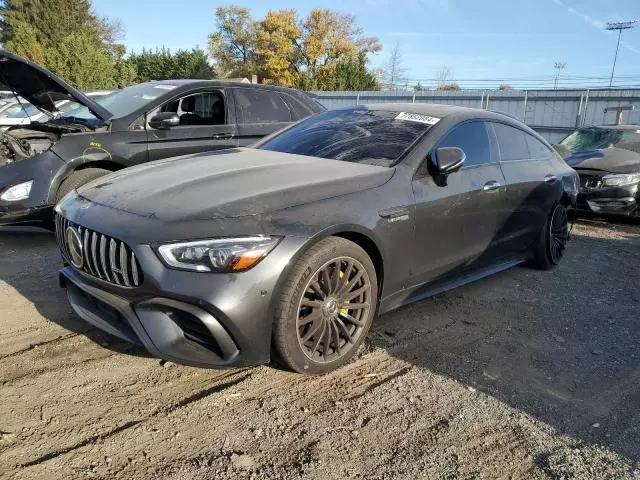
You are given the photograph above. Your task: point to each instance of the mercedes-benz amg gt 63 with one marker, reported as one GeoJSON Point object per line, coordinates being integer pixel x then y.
{"type": "Point", "coordinates": [288, 250]}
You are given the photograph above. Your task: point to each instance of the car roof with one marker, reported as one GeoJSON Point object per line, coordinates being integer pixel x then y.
{"type": "Point", "coordinates": [218, 83]}
{"type": "Point", "coordinates": [435, 110]}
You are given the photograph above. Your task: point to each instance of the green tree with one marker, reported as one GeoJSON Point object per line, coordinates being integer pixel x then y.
{"type": "Point", "coordinates": [350, 73]}
{"type": "Point", "coordinates": [68, 38]}
{"type": "Point", "coordinates": [232, 44]}
{"type": "Point", "coordinates": [161, 64]}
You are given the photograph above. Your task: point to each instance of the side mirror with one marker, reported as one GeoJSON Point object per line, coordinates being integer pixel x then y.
{"type": "Point", "coordinates": [164, 120]}
{"type": "Point", "coordinates": [449, 160]}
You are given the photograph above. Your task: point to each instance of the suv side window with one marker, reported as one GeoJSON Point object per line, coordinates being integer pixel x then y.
{"type": "Point", "coordinates": [260, 106]}
{"type": "Point", "coordinates": [298, 109]}
{"type": "Point", "coordinates": [472, 138]}
{"type": "Point", "coordinates": [205, 108]}
{"type": "Point", "coordinates": [512, 143]}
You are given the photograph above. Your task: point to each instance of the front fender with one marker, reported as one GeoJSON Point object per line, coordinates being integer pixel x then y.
{"type": "Point", "coordinates": [91, 156]}
{"type": "Point", "coordinates": [42, 169]}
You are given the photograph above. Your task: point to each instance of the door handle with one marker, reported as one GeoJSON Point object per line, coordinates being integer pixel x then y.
{"type": "Point", "coordinates": [222, 136]}
{"type": "Point", "coordinates": [550, 178]}
{"type": "Point", "coordinates": [491, 186]}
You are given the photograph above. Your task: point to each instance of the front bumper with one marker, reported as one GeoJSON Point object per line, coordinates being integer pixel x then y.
{"type": "Point", "coordinates": [37, 210]}
{"type": "Point", "coordinates": [199, 319]}
{"type": "Point", "coordinates": [610, 201]}
{"type": "Point", "coordinates": [167, 328]}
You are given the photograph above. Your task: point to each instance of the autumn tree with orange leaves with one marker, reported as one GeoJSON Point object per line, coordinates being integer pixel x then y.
{"type": "Point", "coordinates": [325, 50]}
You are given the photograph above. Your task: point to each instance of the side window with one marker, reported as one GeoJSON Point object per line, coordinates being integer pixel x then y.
{"type": "Point", "coordinates": [200, 109]}
{"type": "Point", "coordinates": [298, 110]}
{"type": "Point", "coordinates": [512, 143]}
{"type": "Point", "coordinates": [537, 149]}
{"type": "Point", "coordinates": [260, 106]}
{"type": "Point", "coordinates": [472, 138]}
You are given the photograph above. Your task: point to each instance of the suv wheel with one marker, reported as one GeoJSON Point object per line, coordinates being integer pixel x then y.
{"type": "Point", "coordinates": [326, 307]}
{"type": "Point", "coordinates": [77, 179]}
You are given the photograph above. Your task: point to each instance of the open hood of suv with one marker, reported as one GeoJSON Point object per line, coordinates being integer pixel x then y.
{"type": "Point", "coordinates": [40, 87]}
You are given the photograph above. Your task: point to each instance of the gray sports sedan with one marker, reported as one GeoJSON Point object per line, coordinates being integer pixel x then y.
{"type": "Point", "coordinates": [289, 249]}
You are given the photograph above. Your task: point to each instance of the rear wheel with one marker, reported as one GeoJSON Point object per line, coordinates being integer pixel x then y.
{"type": "Point", "coordinates": [326, 307]}
{"type": "Point", "coordinates": [553, 239]}
{"type": "Point", "coordinates": [77, 179]}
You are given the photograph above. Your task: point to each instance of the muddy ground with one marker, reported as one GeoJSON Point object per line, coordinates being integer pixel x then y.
{"type": "Point", "coordinates": [526, 374]}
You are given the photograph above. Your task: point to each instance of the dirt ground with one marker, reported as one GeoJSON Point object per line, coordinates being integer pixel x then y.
{"type": "Point", "coordinates": [527, 374]}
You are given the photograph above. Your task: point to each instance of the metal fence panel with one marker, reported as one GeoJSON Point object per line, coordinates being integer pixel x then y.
{"type": "Point", "coordinates": [553, 113]}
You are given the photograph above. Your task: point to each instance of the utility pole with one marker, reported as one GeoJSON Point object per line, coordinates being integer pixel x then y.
{"type": "Point", "coordinates": [559, 66]}
{"type": "Point", "coordinates": [618, 26]}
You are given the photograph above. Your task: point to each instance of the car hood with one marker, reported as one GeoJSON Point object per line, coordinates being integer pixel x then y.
{"type": "Point", "coordinates": [229, 184]}
{"type": "Point", "coordinates": [614, 160]}
{"type": "Point", "coordinates": [41, 87]}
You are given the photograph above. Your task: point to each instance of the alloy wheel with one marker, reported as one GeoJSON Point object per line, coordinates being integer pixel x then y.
{"type": "Point", "coordinates": [558, 233]}
{"type": "Point", "coordinates": [334, 309]}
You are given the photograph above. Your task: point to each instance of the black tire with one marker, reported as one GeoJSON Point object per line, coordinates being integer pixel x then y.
{"type": "Point", "coordinates": [551, 244]}
{"type": "Point", "coordinates": [314, 290]}
{"type": "Point", "coordinates": [77, 179]}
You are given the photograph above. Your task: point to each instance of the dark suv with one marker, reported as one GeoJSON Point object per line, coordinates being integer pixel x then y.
{"type": "Point", "coordinates": [41, 163]}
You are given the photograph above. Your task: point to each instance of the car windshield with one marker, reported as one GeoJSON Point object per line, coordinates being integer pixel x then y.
{"type": "Point", "coordinates": [22, 111]}
{"type": "Point", "coordinates": [71, 106]}
{"type": "Point", "coordinates": [375, 137]}
{"type": "Point", "coordinates": [123, 102]}
{"type": "Point", "coordinates": [598, 138]}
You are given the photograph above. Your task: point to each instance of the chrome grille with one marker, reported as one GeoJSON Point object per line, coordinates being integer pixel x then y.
{"type": "Point", "coordinates": [103, 257]}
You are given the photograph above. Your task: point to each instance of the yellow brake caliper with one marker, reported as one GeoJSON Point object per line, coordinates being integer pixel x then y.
{"type": "Point", "coordinates": [343, 310]}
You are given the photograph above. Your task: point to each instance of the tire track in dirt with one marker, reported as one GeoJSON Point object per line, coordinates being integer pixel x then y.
{"type": "Point", "coordinates": [39, 344]}
{"type": "Point", "coordinates": [131, 423]}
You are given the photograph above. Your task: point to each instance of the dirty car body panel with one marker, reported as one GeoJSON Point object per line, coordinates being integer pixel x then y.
{"type": "Point", "coordinates": [116, 131]}
{"type": "Point", "coordinates": [424, 235]}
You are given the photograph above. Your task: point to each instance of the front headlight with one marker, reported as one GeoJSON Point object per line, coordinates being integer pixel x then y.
{"type": "Point", "coordinates": [218, 255]}
{"type": "Point", "coordinates": [20, 191]}
{"type": "Point", "coordinates": [620, 179]}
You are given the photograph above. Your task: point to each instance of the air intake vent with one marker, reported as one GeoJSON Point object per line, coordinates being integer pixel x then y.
{"type": "Point", "coordinates": [98, 255]}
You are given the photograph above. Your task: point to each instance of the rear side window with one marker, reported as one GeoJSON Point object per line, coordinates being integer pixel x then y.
{"type": "Point", "coordinates": [472, 138]}
{"type": "Point", "coordinates": [512, 143]}
{"type": "Point", "coordinates": [260, 106]}
{"type": "Point", "coordinates": [298, 110]}
{"type": "Point", "coordinates": [537, 149]}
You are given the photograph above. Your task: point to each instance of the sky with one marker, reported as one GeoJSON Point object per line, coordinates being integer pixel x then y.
{"type": "Point", "coordinates": [481, 42]}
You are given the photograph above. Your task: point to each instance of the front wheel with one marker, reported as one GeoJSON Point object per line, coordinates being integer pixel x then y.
{"type": "Point", "coordinates": [77, 179]}
{"type": "Point", "coordinates": [552, 242]}
{"type": "Point", "coordinates": [326, 307]}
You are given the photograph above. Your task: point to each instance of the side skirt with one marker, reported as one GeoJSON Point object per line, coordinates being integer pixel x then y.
{"type": "Point", "coordinates": [420, 292]}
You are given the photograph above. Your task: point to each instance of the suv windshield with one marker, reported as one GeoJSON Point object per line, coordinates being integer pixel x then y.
{"type": "Point", "coordinates": [597, 138]}
{"type": "Point", "coordinates": [375, 137]}
{"type": "Point", "coordinates": [22, 111]}
{"type": "Point", "coordinates": [123, 102]}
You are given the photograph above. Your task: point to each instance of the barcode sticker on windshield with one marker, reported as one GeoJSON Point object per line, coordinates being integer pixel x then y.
{"type": "Point", "coordinates": [416, 117]}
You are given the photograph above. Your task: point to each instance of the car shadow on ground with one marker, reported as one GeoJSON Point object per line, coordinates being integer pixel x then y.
{"type": "Point", "coordinates": [30, 264]}
{"type": "Point", "coordinates": [561, 346]}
